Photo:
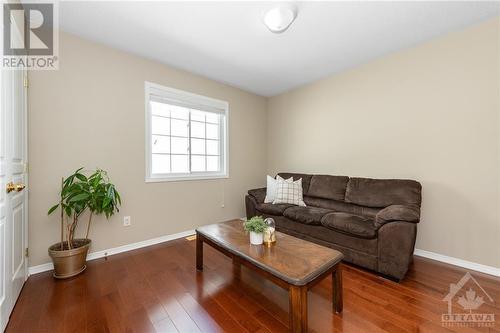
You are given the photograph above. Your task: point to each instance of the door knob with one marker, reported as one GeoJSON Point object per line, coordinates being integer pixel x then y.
{"type": "Point", "coordinates": [15, 187]}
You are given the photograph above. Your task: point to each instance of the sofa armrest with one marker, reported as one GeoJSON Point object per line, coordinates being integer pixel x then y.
{"type": "Point", "coordinates": [396, 243]}
{"type": "Point", "coordinates": [259, 194]}
{"type": "Point", "coordinates": [250, 206]}
{"type": "Point", "coordinates": [397, 213]}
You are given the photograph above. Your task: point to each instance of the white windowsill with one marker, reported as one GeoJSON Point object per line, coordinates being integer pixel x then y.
{"type": "Point", "coordinates": [160, 179]}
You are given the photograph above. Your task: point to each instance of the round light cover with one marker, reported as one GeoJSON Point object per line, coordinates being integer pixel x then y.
{"type": "Point", "coordinates": [279, 18]}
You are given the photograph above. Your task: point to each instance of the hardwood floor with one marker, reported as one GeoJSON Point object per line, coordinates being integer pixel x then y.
{"type": "Point", "coordinates": [157, 289]}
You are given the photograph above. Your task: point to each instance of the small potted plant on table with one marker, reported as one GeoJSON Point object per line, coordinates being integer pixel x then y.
{"type": "Point", "coordinates": [79, 194]}
{"type": "Point", "coordinates": [256, 227]}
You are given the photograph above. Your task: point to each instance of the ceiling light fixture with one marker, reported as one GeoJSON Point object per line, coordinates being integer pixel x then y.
{"type": "Point", "coordinates": [280, 18]}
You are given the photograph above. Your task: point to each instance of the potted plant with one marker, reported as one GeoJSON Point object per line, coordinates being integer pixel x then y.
{"type": "Point", "coordinates": [256, 226]}
{"type": "Point", "coordinates": [94, 194]}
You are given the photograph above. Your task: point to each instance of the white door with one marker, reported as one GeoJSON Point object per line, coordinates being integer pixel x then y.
{"type": "Point", "coordinates": [13, 197]}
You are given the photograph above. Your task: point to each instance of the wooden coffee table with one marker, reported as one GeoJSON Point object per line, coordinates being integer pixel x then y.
{"type": "Point", "coordinates": [292, 263]}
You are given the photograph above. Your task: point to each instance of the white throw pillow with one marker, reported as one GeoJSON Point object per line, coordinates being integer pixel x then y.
{"type": "Point", "coordinates": [272, 188]}
{"type": "Point", "coordinates": [290, 193]}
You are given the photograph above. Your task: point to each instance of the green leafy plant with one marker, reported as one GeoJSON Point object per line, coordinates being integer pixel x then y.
{"type": "Point", "coordinates": [255, 224]}
{"type": "Point", "coordinates": [81, 193]}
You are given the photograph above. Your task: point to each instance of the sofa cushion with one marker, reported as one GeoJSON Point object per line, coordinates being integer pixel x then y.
{"type": "Point", "coordinates": [306, 215]}
{"type": "Point", "coordinates": [289, 192]}
{"type": "Point", "coordinates": [340, 206]}
{"type": "Point", "coordinates": [354, 225]}
{"type": "Point", "coordinates": [306, 179]}
{"type": "Point", "coordinates": [327, 235]}
{"type": "Point", "coordinates": [383, 192]}
{"type": "Point", "coordinates": [272, 188]}
{"type": "Point", "coordinates": [328, 187]}
{"type": "Point", "coordinates": [268, 208]}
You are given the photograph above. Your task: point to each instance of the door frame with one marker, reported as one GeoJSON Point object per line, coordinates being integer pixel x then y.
{"type": "Point", "coordinates": [26, 174]}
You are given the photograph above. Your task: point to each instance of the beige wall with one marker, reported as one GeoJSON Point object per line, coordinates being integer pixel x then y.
{"type": "Point", "coordinates": [91, 113]}
{"type": "Point", "coordinates": [428, 113]}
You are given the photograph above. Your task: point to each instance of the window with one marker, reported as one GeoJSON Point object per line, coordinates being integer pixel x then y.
{"type": "Point", "coordinates": [186, 135]}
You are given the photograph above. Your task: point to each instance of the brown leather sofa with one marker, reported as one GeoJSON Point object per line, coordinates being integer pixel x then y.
{"type": "Point", "coordinates": [373, 222]}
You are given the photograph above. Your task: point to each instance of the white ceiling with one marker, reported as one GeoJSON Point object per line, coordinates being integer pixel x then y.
{"type": "Point", "coordinates": [227, 42]}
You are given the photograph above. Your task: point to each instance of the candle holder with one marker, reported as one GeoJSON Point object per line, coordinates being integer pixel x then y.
{"type": "Point", "coordinates": [270, 232]}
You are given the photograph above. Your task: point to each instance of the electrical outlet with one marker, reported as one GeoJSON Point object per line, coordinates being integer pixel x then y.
{"type": "Point", "coordinates": [127, 221]}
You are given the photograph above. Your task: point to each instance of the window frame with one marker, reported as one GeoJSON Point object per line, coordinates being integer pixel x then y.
{"type": "Point", "coordinates": [191, 99]}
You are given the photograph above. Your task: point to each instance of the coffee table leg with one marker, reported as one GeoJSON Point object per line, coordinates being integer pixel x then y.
{"type": "Point", "coordinates": [298, 309]}
{"type": "Point", "coordinates": [337, 289]}
{"type": "Point", "coordinates": [199, 252]}
{"type": "Point", "coordinates": [236, 268]}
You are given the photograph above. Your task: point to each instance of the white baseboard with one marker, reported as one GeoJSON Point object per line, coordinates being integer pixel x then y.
{"type": "Point", "coordinates": [124, 248]}
{"type": "Point", "coordinates": [458, 262]}
{"type": "Point", "coordinates": [115, 250]}
{"type": "Point", "coordinates": [40, 268]}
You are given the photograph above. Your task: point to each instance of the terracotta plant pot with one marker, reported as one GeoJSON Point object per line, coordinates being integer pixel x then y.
{"type": "Point", "coordinates": [68, 263]}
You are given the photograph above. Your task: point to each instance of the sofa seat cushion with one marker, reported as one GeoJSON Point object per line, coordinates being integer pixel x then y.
{"type": "Point", "coordinates": [271, 209]}
{"type": "Point", "coordinates": [340, 206]}
{"type": "Point", "coordinates": [326, 235]}
{"type": "Point", "coordinates": [353, 225]}
{"type": "Point", "coordinates": [306, 215]}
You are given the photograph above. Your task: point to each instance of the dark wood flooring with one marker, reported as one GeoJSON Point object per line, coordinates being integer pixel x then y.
{"type": "Point", "coordinates": [157, 289]}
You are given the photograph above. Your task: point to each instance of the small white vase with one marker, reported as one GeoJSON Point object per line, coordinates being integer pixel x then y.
{"type": "Point", "coordinates": [256, 238]}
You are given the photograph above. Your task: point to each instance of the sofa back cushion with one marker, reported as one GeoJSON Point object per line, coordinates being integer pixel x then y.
{"type": "Point", "coordinates": [383, 192]}
{"type": "Point", "coordinates": [306, 179]}
{"type": "Point", "coordinates": [328, 187]}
